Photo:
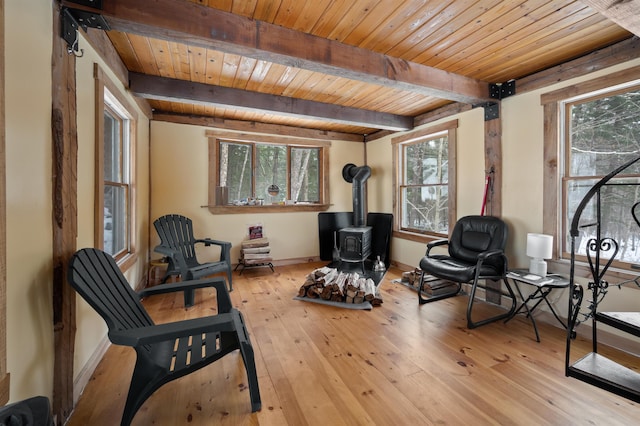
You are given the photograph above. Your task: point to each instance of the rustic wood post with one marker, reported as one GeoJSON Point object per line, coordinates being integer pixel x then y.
{"type": "Point", "coordinates": [493, 162]}
{"type": "Point", "coordinates": [64, 217]}
{"type": "Point", "coordinates": [4, 374]}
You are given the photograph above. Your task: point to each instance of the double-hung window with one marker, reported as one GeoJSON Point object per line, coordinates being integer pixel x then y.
{"type": "Point", "coordinates": [267, 173]}
{"type": "Point", "coordinates": [424, 180]}
{"type": "Point", "coordinates": [114, 172]}
{"type": "Point", "coordinates": [598, 130]}
{"type": "Point", "coordinates": [602, 133]}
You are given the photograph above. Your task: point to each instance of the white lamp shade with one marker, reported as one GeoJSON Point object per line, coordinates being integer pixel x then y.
{"type": "Point", "coordinates": [539, 246]}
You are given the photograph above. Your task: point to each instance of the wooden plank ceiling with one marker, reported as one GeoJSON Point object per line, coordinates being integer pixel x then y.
{"type": "Point", "coordinates": [351, 66]}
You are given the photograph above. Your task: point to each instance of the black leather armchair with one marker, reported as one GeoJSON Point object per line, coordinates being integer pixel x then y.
{"type": "Point", "coordinates": [475, 254]}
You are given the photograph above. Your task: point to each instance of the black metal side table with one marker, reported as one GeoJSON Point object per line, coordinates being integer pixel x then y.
{"type": "Point", "coordinates": [544, 286]}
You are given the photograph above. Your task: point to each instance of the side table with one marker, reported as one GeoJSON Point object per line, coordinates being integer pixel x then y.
{"type": "Point", "coordinates": [156, 266]}
{"type": "Point", "coordinates": [543, 287]}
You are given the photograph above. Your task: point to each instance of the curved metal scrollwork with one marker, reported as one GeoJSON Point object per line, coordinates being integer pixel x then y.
{"type": "Point", "coordinates": [594, 248]}
{"type": "Point", "coordinates": [577, 293]}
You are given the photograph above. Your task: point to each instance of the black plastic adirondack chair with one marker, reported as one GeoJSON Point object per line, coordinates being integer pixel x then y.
{"type": "Point", "coordinates": [168, 351]}
{"type": "Point", "coordinates": [179, 245]}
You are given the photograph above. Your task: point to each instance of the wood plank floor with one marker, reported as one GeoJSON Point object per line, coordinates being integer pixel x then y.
{"type": "Point", "coordinates": [398, 364]}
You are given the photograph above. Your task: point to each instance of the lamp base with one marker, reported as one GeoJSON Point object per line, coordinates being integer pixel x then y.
{"type": "Point", "coordinates": [538, 267]}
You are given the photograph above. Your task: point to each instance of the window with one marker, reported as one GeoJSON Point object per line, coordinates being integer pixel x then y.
{"type": "Point", "coordinates": [424, 179]}
{"type": "Point", "coordinates": [602, 133]}
{"type": "Point", "coordinates": [592, 128]}
{"type": "Point", "coordinates": [114, 173]}
{"type": "Point", "coordinates": [116, 182]}
{"type": "Point", "coordinates": [247, 173]}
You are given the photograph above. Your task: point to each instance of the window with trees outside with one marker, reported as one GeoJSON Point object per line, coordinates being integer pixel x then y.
{"type": "Point", "coordinates": [259, 174]}
{"type": "Point", "coordinates": [115, 130]}
{"type": "Point", "coordinates": [602, 132]}
{"type": "Point", "coordinates": [425, 181]}
{"type": "Point", "coordinates": [116, 182]}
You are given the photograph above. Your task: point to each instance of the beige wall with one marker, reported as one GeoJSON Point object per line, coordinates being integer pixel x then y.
{"type": "Point", "coordinates": [28, 204]}
{"type": "Point", "coordinates": [179, 182]}
{"type": "Point", "coordinates": [29, 195]}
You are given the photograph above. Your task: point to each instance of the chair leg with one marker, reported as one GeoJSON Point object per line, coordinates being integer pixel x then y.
{"type": "Point", "coordinates": [246, 350]}
{"type": "Point", "coordinates": [230, 278]}
{"type": "Point", "coordinates": [143, 383]}
{"type": "Point", "coordinates": [473, 324]}
{"type": "Point", "coordinates": [189, 298]}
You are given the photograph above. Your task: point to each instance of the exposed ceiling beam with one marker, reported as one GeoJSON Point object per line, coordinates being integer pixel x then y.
{"type": "Point", "coordinates": [256, 127]}
{"type": "Point", "coordinates": [168, 89]}
{"type": "Point", "coordinates": [194, 24]}
{"type": "Point", "coordinates": [625, 13]}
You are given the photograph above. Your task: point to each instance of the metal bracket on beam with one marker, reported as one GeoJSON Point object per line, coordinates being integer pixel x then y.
{"type": "Point", "coordinates": [72, 19]}
{"type": "Point", "coordinates": [502, 90]}
{"type": "Point", "coordinates": [491, 110]}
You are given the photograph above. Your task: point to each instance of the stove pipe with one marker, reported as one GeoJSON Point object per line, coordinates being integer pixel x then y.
{"type": "Point", "coordinates": [357, 176]}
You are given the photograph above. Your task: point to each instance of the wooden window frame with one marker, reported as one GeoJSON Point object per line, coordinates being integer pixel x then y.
{"type": "Point", "coordinates": [127, 258]}
{"type": "Point", "coordinates": [215, 137]}
{"type": "Point", "coordinates": [450, 127]}
{"type": "Point", "coordinates": [553, 199]}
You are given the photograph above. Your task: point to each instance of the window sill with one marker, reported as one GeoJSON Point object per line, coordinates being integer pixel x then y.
{"type": "Point", "coordinates": [420, 238]}
{"type": "Point", "coordinates": [582, 271]}
{"type": "Point", "coordinates": [268, 208]}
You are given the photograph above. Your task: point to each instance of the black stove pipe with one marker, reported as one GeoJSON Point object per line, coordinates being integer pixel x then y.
{"type": "Point", "coordinates": [357, 176]}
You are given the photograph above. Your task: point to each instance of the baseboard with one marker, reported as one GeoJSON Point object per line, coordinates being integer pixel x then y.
{"type": "Point", "coordinates": [291, 261]}
{"type": "Point", "coordinates": [401, 266]}
{"type": "Point", "coordinates": [87, 371]}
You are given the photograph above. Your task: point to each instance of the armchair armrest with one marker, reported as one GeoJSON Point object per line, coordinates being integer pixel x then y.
{"type": "Point", "coordinates": [170, 331]}
{"type": "Point", "coordinates": [176, 258]}
{"type": "Point", "coordinates": [219, 283]}
{"type": "Point", "coordinates": [436, 243]}
{"type": "Point", "coordinates": [210, 241]}
{"type": "Point", "coordinates": [225, 247]}
{"type": "Point", "coordinates": [482, 257]}
{"type": "Point", "coordinates": [485, 254]}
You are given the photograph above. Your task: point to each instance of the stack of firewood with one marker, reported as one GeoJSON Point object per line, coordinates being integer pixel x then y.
{"type": "Point", "coordinates": [346, 287]}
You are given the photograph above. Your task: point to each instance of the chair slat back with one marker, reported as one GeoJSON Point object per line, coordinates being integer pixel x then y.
{"type": "Point", "coordinates": [95, 275]}
{"type": "Point", "coordinates": [176, 232]}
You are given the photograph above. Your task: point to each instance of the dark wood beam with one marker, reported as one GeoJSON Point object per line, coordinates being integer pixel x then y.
{"type": "Point", "coordinates": [64, 218]}
{"type": "Point", "coordinates": [625, 13]}
{"type": "Point", "coordinates": [4, 374]}
{"type": "Point", "coordinates": [173, 90]}
{"type": "Point", "coordinates": [195, 24]}
{"type": "Point", "coordinates": [255, 127]}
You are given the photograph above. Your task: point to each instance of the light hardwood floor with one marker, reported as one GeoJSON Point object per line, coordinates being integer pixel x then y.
{"type": "Point", "coordinates": [398, 364]}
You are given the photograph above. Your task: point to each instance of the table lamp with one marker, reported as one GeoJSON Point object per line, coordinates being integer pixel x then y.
{"type": "Point", "coordinates": [539, 247]}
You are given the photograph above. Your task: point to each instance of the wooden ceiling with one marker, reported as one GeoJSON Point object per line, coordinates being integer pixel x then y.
{"type": "Point", "coordinates": [350, 66]}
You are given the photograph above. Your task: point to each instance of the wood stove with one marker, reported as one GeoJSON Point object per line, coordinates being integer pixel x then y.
{"type": "Point", "coordinates": [355, 244]}
{"type": "Point", "coordinates": [355, 241]}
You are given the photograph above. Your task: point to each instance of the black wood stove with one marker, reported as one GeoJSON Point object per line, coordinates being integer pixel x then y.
{"type": "Point", "coordinates": [355, 241]}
